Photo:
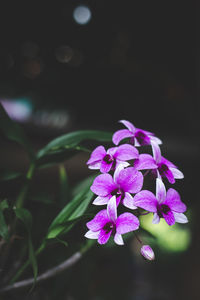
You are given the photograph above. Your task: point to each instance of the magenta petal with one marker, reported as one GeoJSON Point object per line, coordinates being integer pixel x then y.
{"type": "Point", "coordinates": [103, 185]}
{"type": "Point", "coordinates": [169, 175]}
{"type": "Point", "coordinates": [146, 200]}
{"type": "Point", "coordinates": [99, 221]}
{"type": "Point", "coordinates": [173, 200]}
{"type": "Point", "coordinates": [118, 239]}
{"type": "Point", "coordinates": [97, 155]}
{"type": "Point", "coordinates": [105, 167]}
{"type": "Point", "coordinates": [167, 162]}
{"type": "Point", "coordinates": [169, 218]}
{"type": "Point", "coordinates": [101, 200]}
{"type": "Point", "coordinates": [126, 152]}
{"type": "Point", "coordinates": [177, 173]}
{"type": "Point", "coordinates": [156, 152]}
{"type": "Point", "coordinates": [129, 125]}
{"type": "Point", "coordinates": [120, 135]}
{"type": "Point", "coordinates": [160, 190]}
{"type": "Point", "coordinates": [92, 234]}
{"type": "Point", "coordinates": [104, 236]}
{"type": "Point", "coordinates": [126, 222]}
{"type": "Point", "coordinates": [128, 201]}
{"type": "Point", "coordinates": [145, 162]}
{"type": "Point", "coordinates": [130, 180]}
{"type": "Point", "coordinates": [112, 209]}
{"type": "Point", "coordinates": [180, 218]}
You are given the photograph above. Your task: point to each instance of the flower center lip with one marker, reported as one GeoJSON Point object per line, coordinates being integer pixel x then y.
{"type": "Point", "coordinates": [110, 226]}
{"type": "Point", "coordinates": [163, 168]}
{"type": "Point", "coordinates": [108, 159]}
{"type": "Point", "coordinates": [142, 138]}
{"type": "Point", "coordinates": [163, 209]}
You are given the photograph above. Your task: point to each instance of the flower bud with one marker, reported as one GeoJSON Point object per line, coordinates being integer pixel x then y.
{"type": "Point", "coordinates": [147, 252]}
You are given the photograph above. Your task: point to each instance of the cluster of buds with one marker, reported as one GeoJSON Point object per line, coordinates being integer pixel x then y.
{"type": "Point", "coordinates": [123, 171]}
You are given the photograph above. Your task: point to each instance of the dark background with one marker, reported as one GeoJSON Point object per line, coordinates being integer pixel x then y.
{"type": "Point", "coordinates": [134, 60]}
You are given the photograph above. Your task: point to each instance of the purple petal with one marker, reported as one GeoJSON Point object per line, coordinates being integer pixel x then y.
{"type": "Point", "coordinates": [160, 190]}
{"type": "Point", "coordinates": [169, 218]}
{"type": "Point", "coordinates": [112, 209]}
{"type": "Point", "coordinates": [142, 137]}
{"type": "Point", "coordinates": [92, 234]}
{"type": "Point", "coordinates": [105, 167]}
{"type": "Point", "coordinates": [180, 218]}
{"type": "Point", "coordinates": [146, 200]}
{"type": "Point", "coordinates": [165, 172]}
{"type": "Point", "coordinates": [156, 140]}
{"type": "Point", "coordinates": [177, 173]}
{"type": "Point", "coordinates": [101, 200]}
{"type": "Point", "coordinates": [118, 239]}
{"type": "Point", "coordinates": [173, 200]}
{"type": "Point", "coordinates": [99, 221]}
{"type": "Point", "coordinates": [167, 162]}
{"type": "Point", "coordinates": [145, 162]}
{"type": "Point", "coordinates": [128, 201]}
{"type": "Point", "coordinates": [103, 185]}
{"type": "Point", "coordinates": [156, 152]}
{"type": "Point", "coordinates": [147, 252]}
{"type": "Point", "coordinates": [104, 236]}
{"type": "Point", "coordinates": [120, 135]}
{"type": "Point", "coordinates": [95, 165]}
{"type": "Point", "coordinates": [129, 125]}
{"type": "Point", "coordinates": [156, 218]}
{"type": "Point", "coordinates": [126, 152]}
{"type": "Point", "coordinates": [97, 155]}
{"type": "Point", "coordinates": [130, 180]}
{"type": "Point", "coordinates": [126, 222]}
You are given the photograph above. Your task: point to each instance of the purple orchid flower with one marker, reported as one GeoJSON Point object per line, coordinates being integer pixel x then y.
{"type": "Point", "coordinates": [124, 183]}
{"type": "Point", "coordinates": [165, 168]}
{"type": "Point", "coordinates": [106, 223]}
{"type": "Point", "coordinates": [164, 205]}
{"type": "Point", "coordinates": [138, 137]}
{"type": "Point", "coordinates": [112, 158]}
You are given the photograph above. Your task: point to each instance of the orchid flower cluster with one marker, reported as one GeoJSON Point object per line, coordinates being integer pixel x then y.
{"type": "Point", "coordinates": [120, 184]}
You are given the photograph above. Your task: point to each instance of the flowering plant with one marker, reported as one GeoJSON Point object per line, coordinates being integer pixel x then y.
{"type": "Point", "coordinates": [118, 189]}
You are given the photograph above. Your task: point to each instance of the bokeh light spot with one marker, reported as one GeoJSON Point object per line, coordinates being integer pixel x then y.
{"type": "Point", "coordinates": [82, 14]}
{"type": "Point", "coordinates": [64, 54]}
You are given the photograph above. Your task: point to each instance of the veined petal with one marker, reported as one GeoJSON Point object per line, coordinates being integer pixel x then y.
{"type": "Point", "coordinates": [95, 165]}
{"type": "Point", "coordinates": [130, 180]}
{"type": "Point", "coordinates": [99, 221]}
{"type": "Point", "coordinates": [112, 209]}
{"type": "Point", "coordinates": [126, 152]}
{"type": "Point", "coordinates": [160, 190]}
{"type": "Point", "coordinates": [92, 234]}
{"type": "Point", "coordinates": [155, 140]}
{"type": "Point", "coordinates": [168, 174]}
{"type": "Point", "coordinates": [169, 218]}
{"type": "Point", "coordinates": [105, 167]}
{"type": "Point", "coordinates": [146, 200]}
{"type": "Point", "coordinates": [120, 135]}
{"type": "Point", "coordinates": [103, 185]}
{"type": "Point", "coordinates": [145, 162]}
{"type": "Point", "coordinates": [118, 239]}
{"type": "Point", "coordinates": [173, 200]}
{"type": "Point", "coordinates": [156, 219]}
{"type": "Point", "coordinates": [129, 125]}
{"type": "Point", "coordinates": [101, 200]}
{"type": "Point", "coordinates": [128, 201]}
{"type": "Point", "coordinates": [180, 218]}
{"type": "Point", "coordinates": [97, 155]}
{"type": "Point", "coordinates": [177, 173]}
{"type": "Point", "coordinates": [126, 222]}
{"type": "Point", "coordinates": [156, 152]}
{"type": "Point", "coordinates": [104, 236]}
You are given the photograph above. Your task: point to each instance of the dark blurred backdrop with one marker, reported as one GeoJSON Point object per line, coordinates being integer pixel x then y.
{"type": "Point", "coordinates": [87, 64]}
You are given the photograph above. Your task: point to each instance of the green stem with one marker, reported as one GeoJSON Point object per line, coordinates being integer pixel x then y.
{"type": "Point", "coordinates": [22, 195]}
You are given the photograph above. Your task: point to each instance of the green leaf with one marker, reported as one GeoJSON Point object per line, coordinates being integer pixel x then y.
{"type": "Point", "coordinates": [13, 131]}
{"type": "Point", "coordinates": [25, 216]}
{"type": "Point", "coordinates": [64, 185]}
{"type": "Point", "coordinates": [3, 226]}
{"type": "Point", "coordinates": [72, 139]}
{"type": "Point", "coordinates": [73, 210]}
{"type": "Point", "coordinates": [9, 175]}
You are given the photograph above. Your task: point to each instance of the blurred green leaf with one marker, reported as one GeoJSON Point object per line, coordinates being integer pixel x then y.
{"type": "Point", "coordinates": [73, 210]}
{"type": "Point", "coordinates": [13, 131]}
{"type": "Point", "coordinates": [72, 140]}
{"type": "Point", "coordinates": [64, 185]}
{"type": "Point", "coordinates": [25, 216]}
{"type": "Point", "coordinates": [3, 226]}
{"type": "Point", "coordinates": [9, 175]}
